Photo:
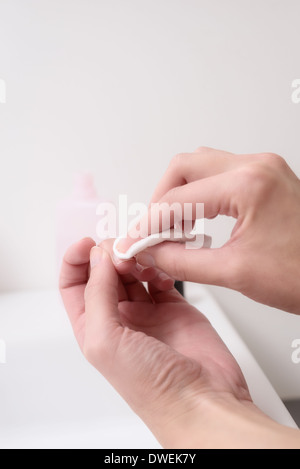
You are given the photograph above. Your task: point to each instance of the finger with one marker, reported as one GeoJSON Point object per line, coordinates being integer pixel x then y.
{"type": "Point", "coordinates": [162, 282]}
{"type": "Point", "coordinates": [168, 296]}
{"type": "Point", "coordinates": [73, 278]}
{"type": "Point", "coordinates": [135, 289]}
{"type": "Point", "coordinates": [131, 275]}
{"type": "Point", "coordinates": [122, 267]}
{"type": "Point", "coordinates": [150, 274]}
{"type": "Point", "coordinates": [208, 266]}
{"type": "Point", "coordinates": [140, 273]}
{"type": "Point", "coordinates": [130, 287]}
{"type": "Point", "coordinates": [74, 265]}
{"type": "Point", "coordinates": [184, 202]}
{"type": "Point", "coordinates": [188, 167]}
{"type": "Point", "coordinates": [103, 324]}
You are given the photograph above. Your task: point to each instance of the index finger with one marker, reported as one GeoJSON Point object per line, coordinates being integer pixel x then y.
{"type": "Point", "coordinates": [188, 167]}
{"type": "Point", "coordinates": [186, 203]}
{"type": "Point", "coordinates": [73, 279]}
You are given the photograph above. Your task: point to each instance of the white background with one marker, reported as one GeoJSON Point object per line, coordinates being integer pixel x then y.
{"type": "Point", "coordinates": [119, 87]}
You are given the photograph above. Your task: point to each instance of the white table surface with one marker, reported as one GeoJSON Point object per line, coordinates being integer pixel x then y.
{"type": "Point", "coordinates": [50, 397]}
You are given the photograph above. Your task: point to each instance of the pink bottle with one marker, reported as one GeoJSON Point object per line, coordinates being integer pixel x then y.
{"type": "Point", "coordinates": [76, 215]}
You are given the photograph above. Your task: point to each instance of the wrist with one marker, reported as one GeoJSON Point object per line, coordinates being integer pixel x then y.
{"type": "Point", "coordinates": [204, 425]}
{"type": "Point", "coordinates": [224, 422]}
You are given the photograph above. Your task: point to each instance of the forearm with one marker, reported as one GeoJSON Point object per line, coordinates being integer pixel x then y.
{"type": "Point", "coordinates": [228, 424]}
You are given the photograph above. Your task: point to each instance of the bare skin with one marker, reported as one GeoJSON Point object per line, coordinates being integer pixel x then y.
{"type": "Point", "coordinates": [262, 257]}
{"type": "Point", "coordinates": [158, 351]}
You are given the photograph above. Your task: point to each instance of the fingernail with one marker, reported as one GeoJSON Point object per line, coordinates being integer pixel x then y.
{"type": "Point", "coordinates": [163, 277]}
{"type": "Point", "coordinates": [145, 259]}
{"type": "Point", "coordinates": [96, 256]}
{"type": "Point", "coordinates": [139, 267]}
{"type": "Point", "coordinates": [117, 260]}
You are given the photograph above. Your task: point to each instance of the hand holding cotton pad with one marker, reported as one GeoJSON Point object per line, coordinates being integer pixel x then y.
{"type": "Point", "coordinates": [174, 235]}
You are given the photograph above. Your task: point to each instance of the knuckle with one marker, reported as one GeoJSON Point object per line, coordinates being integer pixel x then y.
{"type": "Point", "coordinates": [245, 176]}
{"type": "Point", "coordinates": [257, 180]}
{"type": "Point", "coordinates": [275, 161]}
{"type": "Point", "coordinates": [177, 161]}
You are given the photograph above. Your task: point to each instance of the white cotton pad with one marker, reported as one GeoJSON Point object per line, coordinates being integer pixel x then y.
{"type": "Point", "coordinates": [175, 235]}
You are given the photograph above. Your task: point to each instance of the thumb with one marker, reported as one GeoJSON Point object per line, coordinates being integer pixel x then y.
{"type": "Point", "coordinates": [208, 266]}
{"type": "Point", "coordinates": [102, 323]}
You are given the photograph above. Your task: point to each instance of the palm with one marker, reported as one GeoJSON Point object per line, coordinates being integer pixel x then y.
{"type": "Point", "coordinates": [159, 339]}
{"type": "Point", "coordinates": [169, 319]}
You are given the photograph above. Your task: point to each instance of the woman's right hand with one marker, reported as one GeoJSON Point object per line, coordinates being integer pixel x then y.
{"type": "Point", "coordinates": [262, 257]}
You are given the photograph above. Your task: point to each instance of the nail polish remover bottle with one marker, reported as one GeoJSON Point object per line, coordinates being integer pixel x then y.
{"type": "Point", "coordinates": [76, 215]}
